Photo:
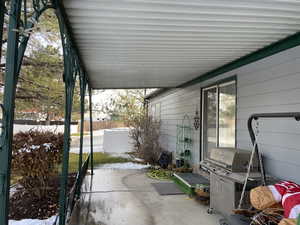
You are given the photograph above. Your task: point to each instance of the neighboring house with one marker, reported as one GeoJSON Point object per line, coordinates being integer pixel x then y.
{"type": "Point", "coordinates": [268, 85]}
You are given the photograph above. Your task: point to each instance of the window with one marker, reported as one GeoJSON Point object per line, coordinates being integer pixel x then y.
{"type": "Point", "coordinates": [155, 112]}
{"type": "Point", "coordinates": [152, 111]}
{"type": "Point", "coordinates": [218, 117]}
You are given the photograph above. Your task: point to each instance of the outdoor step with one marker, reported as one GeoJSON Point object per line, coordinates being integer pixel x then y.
{"type": "Point", "coordinates": [191, 179]}
{"type": "Point", "coordinates": [188, 181]}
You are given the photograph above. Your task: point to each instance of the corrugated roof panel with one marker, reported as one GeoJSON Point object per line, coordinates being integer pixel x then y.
{"type": "Point", "coordinates": [164, 43]}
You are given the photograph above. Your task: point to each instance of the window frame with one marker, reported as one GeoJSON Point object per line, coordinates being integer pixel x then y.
{"type": "Point", "coordinates": [157, 116]}
{"type": "Point", "coordinates": [217, 85]}
{"type": "Point", "coordinates": [155, 111]}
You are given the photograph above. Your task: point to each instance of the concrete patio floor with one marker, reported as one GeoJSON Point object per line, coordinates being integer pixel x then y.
{"type": "Point", "coordinates": [126, 197]}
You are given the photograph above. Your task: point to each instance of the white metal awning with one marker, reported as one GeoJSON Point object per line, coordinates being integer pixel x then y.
{"type": "Point", "coordinates": [164, 43]}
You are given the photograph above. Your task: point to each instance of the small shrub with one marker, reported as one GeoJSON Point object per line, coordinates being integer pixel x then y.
{"type": "Point", "coordinates": [35, 157]}
{"type": "Point", "coordinates": [145, 133]}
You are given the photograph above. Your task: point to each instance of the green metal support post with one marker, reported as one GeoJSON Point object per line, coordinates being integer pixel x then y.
{"type": "Point", "coordinates": [82, 101]}
{"type": "Point", "coordinates": [73, 67]}
{"type": "Point", "coordinates": [11, 76]}
{"type": "Point", "coordinates": [70, 72]}
{"type": "Point", "coordinates": [91, 130]}
{"type": "Point", "coordinates": [69, 92]}
{"type": "Point", "coordinates": [2, 11]}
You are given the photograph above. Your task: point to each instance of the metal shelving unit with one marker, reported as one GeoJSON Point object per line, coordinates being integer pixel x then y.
{"type": "Point", "coordinates": [184, 142]}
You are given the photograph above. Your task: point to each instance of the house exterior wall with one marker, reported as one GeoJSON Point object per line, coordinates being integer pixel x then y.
{"type": "Point", "coordinates": [268, 85]}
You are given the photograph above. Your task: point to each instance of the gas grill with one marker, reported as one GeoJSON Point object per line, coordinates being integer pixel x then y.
{"type": "Point", "coordinates": [228, 167]}
{"type": "Point", "coordinates": [229, 161]}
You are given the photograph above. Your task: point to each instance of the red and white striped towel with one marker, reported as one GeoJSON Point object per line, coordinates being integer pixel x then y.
{"type": "Point", "coordinates": [288, 193]}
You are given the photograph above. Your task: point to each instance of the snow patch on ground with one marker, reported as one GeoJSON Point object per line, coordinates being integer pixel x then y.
{"type": "Point", "coordinates": [35, 147]}
{"type": "Point", "coordinates": [138, 159]}
{"type": "Point", "coordinates": [49, 221]}
{"type": "Point", "coordinates": [124, 166]}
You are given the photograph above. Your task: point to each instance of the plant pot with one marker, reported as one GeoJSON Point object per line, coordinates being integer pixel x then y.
{"type": "Point", "coordinates": [179, 163]}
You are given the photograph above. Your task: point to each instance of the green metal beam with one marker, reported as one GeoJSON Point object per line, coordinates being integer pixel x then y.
{"type": "Point", "coordinates": [91, 130]}
{"type": "Point", "coordinates": [83, 84]}
{"type": "Point", "coordinates": [69, 93]}
{"type": "Point", "coordinates": [69, 76]}
{"type": "Point", "coordinates": [73, 66]}
{"type": "Point", "coordinates": [9, 106]}
{"type": "Point", "coordinates": [15, 56]}
{"type": "Point", "coordinates": [62, 15]}
{"type": "Point", "coordinates": [2, 11]}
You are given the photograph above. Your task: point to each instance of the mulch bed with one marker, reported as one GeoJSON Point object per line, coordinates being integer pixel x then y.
{"type": "Point", "coordinates": [25, 205]}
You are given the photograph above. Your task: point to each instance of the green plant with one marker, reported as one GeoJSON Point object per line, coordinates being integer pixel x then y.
{"type": "Point", "coordinates": [160, 174]}
{"type": "Point", "coordinates": [34, 158]}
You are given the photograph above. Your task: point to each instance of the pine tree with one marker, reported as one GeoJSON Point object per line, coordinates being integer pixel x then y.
{"type": "Point", "coordinates": [40, 89]}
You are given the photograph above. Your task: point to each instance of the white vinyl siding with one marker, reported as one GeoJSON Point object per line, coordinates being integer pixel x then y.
{"type": "Point", "coordinates": [273, 86]}
{"type": "Point", "coordinates": [269, 85]}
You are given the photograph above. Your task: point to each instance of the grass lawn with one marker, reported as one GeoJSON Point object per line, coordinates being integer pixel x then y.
{"type": "Point", "coordinates": [99, 158]}
{"type": "Point", "coordinates": [78, 134]}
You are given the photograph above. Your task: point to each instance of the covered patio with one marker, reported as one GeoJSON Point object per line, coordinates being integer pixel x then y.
{"type": "Point", "coordinates": [126, 196]}
{"type": "Point", "coordinates": [139, 44]}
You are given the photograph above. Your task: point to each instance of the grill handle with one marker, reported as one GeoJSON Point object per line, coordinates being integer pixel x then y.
{"type": "Point", "coordinates": [295, 115]}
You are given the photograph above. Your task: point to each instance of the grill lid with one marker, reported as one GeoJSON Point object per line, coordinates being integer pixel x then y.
{"type": "Point", "coordinates": [233, 159]}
